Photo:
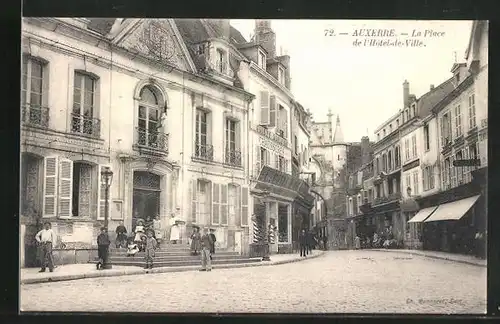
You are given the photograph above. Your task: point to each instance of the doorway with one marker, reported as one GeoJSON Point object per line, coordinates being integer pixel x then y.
{"type": "Point", "coordinates": [146, 196]}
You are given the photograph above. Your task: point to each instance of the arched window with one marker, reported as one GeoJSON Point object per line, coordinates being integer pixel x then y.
{"type": "Point", "coordinates": [149, 118]}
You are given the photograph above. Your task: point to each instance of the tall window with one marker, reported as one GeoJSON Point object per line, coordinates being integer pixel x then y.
{"type": "Point", "coordinates": [281, 163]}
{"type": "Point", "coordinates": [282, 122]}
{"type": "Point", "coordinates": [233, 206]}
{"type": "Point", "coordinates": [445, 129]}
{"type": "Point", "coordinates": [407, 149]}
{"type": "Point", "coordinates": [460, 175]}
{"type": "Point", "coordinates": [264, 156]}
{"type": "Point", "coordinates": [233, 155]}
{"type": "Point", "coordinates": [32, 94]}
{"type": "Point", "coordinates": [458, 121]}
{"type": "Point", "coordinates": [472, 111]}
{"type": "Point", "coordinates": [384, 162]}
{"type": "Point", "coordinates": [427, 141]}
{"type": "Point", "coordinates": [408, 182]}
{"type": "Point", "coordinates": [446, 173]}
{"type": "Point", "coordinates": [414, 146]}
{"type": "Point", "coordinates": [281, 75]}
{"type": "Point", "coordinates": [389, 160]}
{"type": "Point", "coordinates": [82, 120]}
{"type": "Point", "coordinates": [415, 183]}
{"type": "Point", "coordinates": [351, 207]}
{"type": "Point", "coordinates": [397, 157]}
{"type": "Point", "coordinates": [221, 62]}
{"type": "Point", "coordinates": [149, 118]}
{"type": "Point", "coordinates": [203, 149]}
{"type": "Point", "coordinates": [83, 199]}
{"type": "Point", "coordinates": [262, 60]}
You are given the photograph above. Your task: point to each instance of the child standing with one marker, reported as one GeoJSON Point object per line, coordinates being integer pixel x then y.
{"type": "Point", "coordinates": [150, 250]}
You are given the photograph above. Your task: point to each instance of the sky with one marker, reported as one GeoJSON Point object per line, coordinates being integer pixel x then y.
{"type": "Point", "coordinates": [363, 84]}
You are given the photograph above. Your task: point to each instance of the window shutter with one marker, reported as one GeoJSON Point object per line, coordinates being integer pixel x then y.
{"type": "Point", "coordinates": [50, 184]}
{"type": "Point", "coordinates": [264, 108]}
{"type": "Point", "coordinates": [285, 123]}
{"type": "Point", "coordinates": [272, 111]}
{"type": "Point", "coordinates": [215, 204]}
{"type": "Point", "coordinates": [258, 165]}
{"type": "Point", "coordinates": [194, 201]}
{"type": "Point", "coordinates": [237, 206]}
{"type": "Point", "coordinates": [223, 204]}
{"type": "Point", "coordinates": [101, 199]}
{"type": "Point", "coordinates": [425, 172]}
{"type": "Point", "coordinates": [268, 158]}
{"type": "Point", "coordinates": [65, 187]}
{"type": "Point", "coordinates": [244, 206]}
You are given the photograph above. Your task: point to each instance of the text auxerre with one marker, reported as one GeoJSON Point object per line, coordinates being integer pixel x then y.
{"type": "Point", "coordinates": [374, 32]}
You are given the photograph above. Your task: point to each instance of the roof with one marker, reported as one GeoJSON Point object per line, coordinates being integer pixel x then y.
{"type": "Point", "coordinates": [236, 36]}
{"type": "Point", "coordinates": [194, 31]}
{"type": "Point", "coordinates": [101, 25]}
{"type": "Point", "coordinates": [439, 105]}
{"type": "Point", "coordinates": [427, 101]}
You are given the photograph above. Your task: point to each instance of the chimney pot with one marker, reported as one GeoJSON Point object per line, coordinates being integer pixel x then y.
{"type": "Point", "coordinates": [406, 94]}
{"type": "Point", "coordinates": [432, 87]}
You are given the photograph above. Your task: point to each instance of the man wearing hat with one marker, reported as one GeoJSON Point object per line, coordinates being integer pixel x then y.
{"type": "Point", "coordinates": [45, 238]}
{"type": "Point", "coordinates": [214, 239]}
{"type": "Point", "coordinates": [206, 243]}
{"type": "Point", "coordinates": [103, 243]}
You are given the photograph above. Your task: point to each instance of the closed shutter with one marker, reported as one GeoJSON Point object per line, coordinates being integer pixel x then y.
{"type": "Point", "coordinates": [215, 204]}
{"type": "Point", "coordinates": [101, 199]}
{"type": "Point", "coordinates": [223, 204]}
{"type": "Point", "coordinates": [65, 187]}
{"type": "Point", "coordinates": [264, 108]}
{"type": "Point", "coordinates": [194, 201]}
{"type": "Point", "coordinates": [258, 165]}
{"type": "Point", "coordinates": [237, 206]}
{"type": "Point", "coordinates": [50, 168]}
{"type": "Point", "coordinates": [244, 206]}
{"type": "Point", "coordinates": [285, 123]}
{"type": "Point", "coordinates": [272, 111]}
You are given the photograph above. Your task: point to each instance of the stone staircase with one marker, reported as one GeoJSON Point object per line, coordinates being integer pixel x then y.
{"type": "Point", "coordinates": [176, 255]}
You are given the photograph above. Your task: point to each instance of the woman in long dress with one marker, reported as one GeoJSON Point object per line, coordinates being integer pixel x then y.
{"type": "Point", "coordinates": [175, 231]}
{"type": "Point", "coordinates": [195, 241]}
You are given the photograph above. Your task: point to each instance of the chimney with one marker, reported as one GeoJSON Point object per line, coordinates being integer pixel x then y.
{"type": "Point", "coordinates": [406, 94]}
{"type": "Point", "coordinates": [432, 87]}
{"type": "Point", "coordinates": [365, 150]}
{"type": "Point", "coordinates": [265, 36]}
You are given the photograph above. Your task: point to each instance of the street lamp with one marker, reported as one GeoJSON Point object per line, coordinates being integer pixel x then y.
{"type": "Point", "coordinates": [106, 179]}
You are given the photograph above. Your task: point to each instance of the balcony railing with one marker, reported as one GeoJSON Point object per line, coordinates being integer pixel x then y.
{"type": "Point", "coordinates": [233, 157]}
{"type": "Point", "coordinates": [35, 115]}
{"type": "Point", "coordinates": [152, 139]}
{"type": "Point", "coordinates": [85, 125]}
{"type": "Point", "coordinates": [273, 136]}
{"type": "Point", "coordinates": [204, 151]}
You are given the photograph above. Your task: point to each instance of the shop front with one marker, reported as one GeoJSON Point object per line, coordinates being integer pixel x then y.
{"type": "Point", "coordinates": [451, 219]}
{"type": "Point", "coordinates": [280, 208]}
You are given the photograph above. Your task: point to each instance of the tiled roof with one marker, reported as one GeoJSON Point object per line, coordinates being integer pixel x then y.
{"type": "Point", "coordinates": [101, 25]}
{"type": "Point", "coordinates": [427, 101]}
{"type": "Point", "coordinates": [438, 106]}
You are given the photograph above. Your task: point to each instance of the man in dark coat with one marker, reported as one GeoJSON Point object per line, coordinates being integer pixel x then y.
{"type": "Point", "coordinates": [303, 242]}
{"type": "Point", "coordinates": [121, 235]}
{"type": "Point", "coordinates": [214, 239]}
{"type": "Point", "coordinates": [103, 243]}
{"type": "Point", "coordinates": [311, 241]}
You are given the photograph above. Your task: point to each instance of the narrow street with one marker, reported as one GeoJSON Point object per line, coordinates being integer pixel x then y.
{"type": "Point", "coordinates": [339, 282]}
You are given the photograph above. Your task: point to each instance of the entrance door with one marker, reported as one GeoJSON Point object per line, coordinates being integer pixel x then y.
{"type": "Point", "coordinates": [31, 256]}
{"type": "Point", "coordinates": [146, 198]}
{"type": "Point", "coordinates": [237, 242]}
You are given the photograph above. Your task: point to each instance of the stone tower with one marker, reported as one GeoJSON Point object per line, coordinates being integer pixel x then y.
{"type": "Point", "coordinates": [338, 137]}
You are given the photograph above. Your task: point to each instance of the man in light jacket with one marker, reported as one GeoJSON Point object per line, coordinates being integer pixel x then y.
{"type": "Point", "coordinates": [206, 244]}
{"type": "Point", "coordinates": [46, 238]}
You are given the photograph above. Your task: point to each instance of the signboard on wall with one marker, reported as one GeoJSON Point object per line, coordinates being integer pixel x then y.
{"type": "Point", "coordinates": [116, 209]}
{"type": "Point", "coordinates": [271, 146]}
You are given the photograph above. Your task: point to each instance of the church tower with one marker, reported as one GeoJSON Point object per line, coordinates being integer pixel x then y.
{"type": "Point", "coordinates": [338, 137]}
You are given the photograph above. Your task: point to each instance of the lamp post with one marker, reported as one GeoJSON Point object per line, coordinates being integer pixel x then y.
{"type": "Point", "coordinates": [106, 180]}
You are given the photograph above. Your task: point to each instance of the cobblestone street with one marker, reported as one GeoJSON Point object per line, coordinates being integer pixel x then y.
{"type": "Point", "coordinates": [339, 282]}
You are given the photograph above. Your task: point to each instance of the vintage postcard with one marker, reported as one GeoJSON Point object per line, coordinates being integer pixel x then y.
{"type": "Point", "coordinates": [235, 166]}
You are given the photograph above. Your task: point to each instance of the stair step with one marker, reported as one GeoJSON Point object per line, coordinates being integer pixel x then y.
{"type": "Point", "coordinates": [171, 253]}
{"type": "Point", "coordinates": [141, 263]}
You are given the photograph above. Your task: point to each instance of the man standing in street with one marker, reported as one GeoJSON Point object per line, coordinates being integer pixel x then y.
{"type": "Point", "coordinates": [206, 243]}
{"type": "Point", "coordinates": [46, 238]}
{"type": "Point", "coordinates": [103, 243]}
{"type": "Point", "coordinates": [214, 239]}
{"type": "Point", "coordinates": [303, 242]}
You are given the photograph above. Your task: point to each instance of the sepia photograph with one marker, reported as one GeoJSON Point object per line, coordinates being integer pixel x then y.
{"type": "Point", "coordinates": [253, 166]}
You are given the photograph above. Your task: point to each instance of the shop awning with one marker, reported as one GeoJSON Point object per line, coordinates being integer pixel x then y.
{"type": "Point", "coordinates": [422, 214]}
{"type": "Point", "coordinates": [453, 210]}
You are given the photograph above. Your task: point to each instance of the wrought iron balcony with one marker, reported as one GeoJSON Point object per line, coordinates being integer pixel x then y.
{"type": "Point", "coordinates": [233, 157]}
{"type": "Point", "coordinates": [152, 139]}
{"type": "Point", "coordinates": [85, 125]}
{"type": "Point", "coordinates": [273, 136]}
{"type": "Point", "coordinates": [35, 115]}
{"type": "Point", "coordinates": [203, 151]}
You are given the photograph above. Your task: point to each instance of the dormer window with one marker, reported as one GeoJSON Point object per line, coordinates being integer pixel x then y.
{"type": "Point", "coordinates": [384, 132]}
{"type": "Point", "coordinates": [413, 110]}
{"type": "Point", "coordinates": [457, 77]}
{"type": "Point", "coordinates": [200, 49]}
{"type": "Point", "coordinates": [281, 75]}
{"type": "Point", "coordinates": [261, 60]}
{"type": "Point", "coordinates": [221, 61]}
{"type": "Point", "coordinates": [390, 128]}
{"type": "Point", "coordinates": [397, 122]}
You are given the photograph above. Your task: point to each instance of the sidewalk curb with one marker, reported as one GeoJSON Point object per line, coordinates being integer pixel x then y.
{"type": "Point", "coordinates": [118, 273]}
{"type": "Point", "coordinates": [433, 257]}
